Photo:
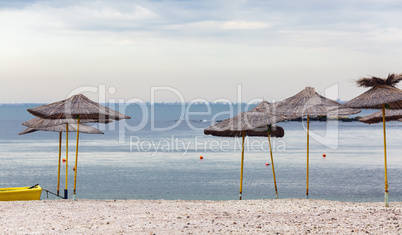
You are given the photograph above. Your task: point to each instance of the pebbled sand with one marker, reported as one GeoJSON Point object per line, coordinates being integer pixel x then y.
{"type": "Point", "coordinates": [283, 216]}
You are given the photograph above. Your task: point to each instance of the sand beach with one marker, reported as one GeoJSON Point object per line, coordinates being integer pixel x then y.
{"type": "Point", "coordinates": [282, 216]}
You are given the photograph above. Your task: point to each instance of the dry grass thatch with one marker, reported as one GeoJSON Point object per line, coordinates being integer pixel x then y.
{"type": "Point", "coordinates": [263, 105]}
{"type": "Point", "coordinates": [42, 122]}
{"type": "Point", "coordinates": [254, 123]}
{"type": "Point", "coordinates": [342, 111]}
{"type": "Point", "coordinates": [307, 103]}
{"type": "Point", "coordinates": [390, 115]}
{"type": "Point", "coordinates": [391, 80]}
{"type": "Point", "coordinates": [77, 105]}
{"type": "Point", "coordinates": [383, 91]}
{"type": "Point", "coordinates": [62, 128]}
{"type": "Point", "coordinates": [275, 131]}
{"type": "Point", "coordinates": [376, 97]}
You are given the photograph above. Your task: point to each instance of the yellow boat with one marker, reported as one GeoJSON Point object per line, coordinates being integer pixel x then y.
{"type": "Point", "coordinates": [20, 193]}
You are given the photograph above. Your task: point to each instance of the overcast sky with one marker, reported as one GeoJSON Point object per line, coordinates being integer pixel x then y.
{"type": "Point", "coordinates": [203, 49]}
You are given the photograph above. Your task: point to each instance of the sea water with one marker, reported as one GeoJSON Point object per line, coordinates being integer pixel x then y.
{"type": "Point", "coordinates": [156, 155]}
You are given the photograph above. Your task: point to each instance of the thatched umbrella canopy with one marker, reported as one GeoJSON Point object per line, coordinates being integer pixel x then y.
{"type": "Point", "coordinates": [245, 121]}
{"type": "Point", "coordinates": [382, 91]}
{"type": "Point", "coordinates": [219, 130]}
{"type": "Point", "coordinates": [249, 124]}
{"type": "Point", "coordinates": [84, 128]}
{"type": "Point", "coordinates": [382, 94]}
{"type": "Point", "coordinates": [307, 103]}
{"type": "Point", "coordinates": [38, 123]}
{"type": "Point", "coordinates": [76, 107]}
{"type": "Point", "coordinates": [263, 105]}
{"type": "Point", "coordinates": [390, 115]}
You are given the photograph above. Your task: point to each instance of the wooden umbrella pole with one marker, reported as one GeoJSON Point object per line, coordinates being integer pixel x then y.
{"type": "Point", "coordinates": [308, 143]}
{"type": "Point", "coordinates": [242, 163]}
{"type": "Point", "coordinates": [76, 156]}
{"type": "Point", "coordinates": [58, 171]}
{"type": "Point", "coordinates": [272, 163]}
{"type": "Point", "coordinates": [66, 187]}
{"type": "Point", "coordinates": [385, 157]}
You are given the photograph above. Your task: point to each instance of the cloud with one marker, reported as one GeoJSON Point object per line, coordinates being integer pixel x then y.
{"type": "Point", "coordinates": [217, 25]}
{"type": "Point", "coordinates": [208, 16]}
{"type": "Point", "coordinates": [90, 16]}
{"type": "Point", "coordinates": [335, 24]}
{"type": "Point", "coordinates": [133, 12]}
{"type": "Point", "coordinates": [311, 24]}
{"type": "Point", "coordinates": [154, 42]}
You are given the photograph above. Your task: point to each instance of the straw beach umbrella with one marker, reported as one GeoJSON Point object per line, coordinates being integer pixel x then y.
{"type": "Point", "coordinates": [265, 105]}
{"type": "Point", "coordinates": [390, 115]}
{"type": "Point", "coordinates": [249, 124]}
{"type": "Point", "coordinates": [84, 128]}
{"type": "Point", "coordinates": [38, 123]}
{"type": "Point", "coordinates": [76, 107]}
{"type": "Point", "coordinates": [381, 92]}
{"type": "Point", "coordinates": [63, 128]}
{"type": "Point", "coordinates": [307, 103]}
{"type": "Point", "coordinates": [381, 95]}
{"type": "Point", "coordinates": [63, 125]}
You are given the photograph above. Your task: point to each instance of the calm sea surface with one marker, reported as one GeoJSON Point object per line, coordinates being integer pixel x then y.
{"type": "Point", "coordinates": [156, 155]}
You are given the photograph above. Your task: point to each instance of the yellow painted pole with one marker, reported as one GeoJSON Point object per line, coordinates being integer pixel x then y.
{"type": "Point", "coordinates": [76, 156]}
{"type": "Point", "coordinates": [242, 164]}
{"type": "Point", "coordinates": [385, 158]}
{"type": "Point", "coordinates": [66, 187]}
{"type": "Point", "coordinates": [272, 163]}
{"type": "Point", "coordinates": [58, 171]}
{"type": "Point", "coordinates": [308, 144]}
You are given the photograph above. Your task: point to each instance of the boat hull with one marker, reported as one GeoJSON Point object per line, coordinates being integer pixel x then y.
{"type": "Point", "coordinates": [20, 193]}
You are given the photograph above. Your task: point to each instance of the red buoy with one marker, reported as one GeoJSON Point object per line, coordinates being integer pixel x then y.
{"type": "Point", "coordinates": [267, 164]}
{"type": "Point", "coordinates": [201, 157]}
{"type": "Point", "coordinates": [64, 160]}
{"type": "Point", "coordinates": [324, 155]}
